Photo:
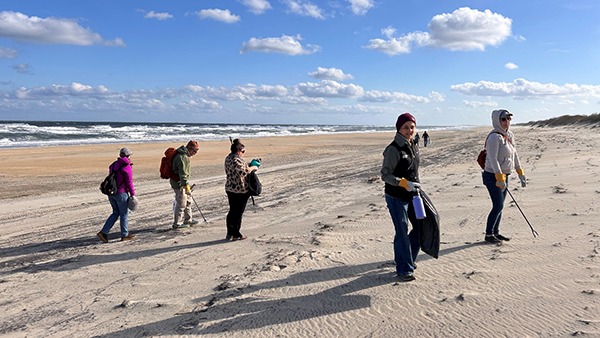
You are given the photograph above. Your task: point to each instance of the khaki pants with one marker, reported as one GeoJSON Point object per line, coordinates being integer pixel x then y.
{"type": "Point", "coordinates": [183, 207]}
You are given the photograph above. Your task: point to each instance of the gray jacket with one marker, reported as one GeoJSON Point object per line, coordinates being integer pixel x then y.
{"type": "Point", "coordinates": [502, 157]}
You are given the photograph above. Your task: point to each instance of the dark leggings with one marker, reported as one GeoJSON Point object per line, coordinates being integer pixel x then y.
{"type": "Point", "coordinates": [498, 196]}
{"type": "Point", "coordinates": [237, 205]}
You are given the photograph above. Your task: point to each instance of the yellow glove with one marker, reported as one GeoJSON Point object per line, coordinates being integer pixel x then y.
{"type": "Point", "coordinates": [408, 185]}
{"type": "Point", "coordinates": [522, 178]}
{"type": "Point", "coordinates": [187, 190]}
{"type": "Point", "coordinates": [501, 181]}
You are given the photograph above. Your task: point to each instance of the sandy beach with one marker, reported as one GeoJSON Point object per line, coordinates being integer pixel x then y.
{"type": "Point", "coordinates": [318, 261]}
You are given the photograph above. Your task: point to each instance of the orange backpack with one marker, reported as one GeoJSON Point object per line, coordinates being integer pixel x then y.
{"type": "Point", "coordinates": [166, 165]}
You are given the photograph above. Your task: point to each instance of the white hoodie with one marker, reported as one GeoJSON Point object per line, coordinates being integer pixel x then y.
{"type": "Point", "coordinates": [502, 157]}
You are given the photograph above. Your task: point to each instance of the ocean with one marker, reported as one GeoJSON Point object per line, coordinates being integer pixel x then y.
{"type": "Point", "coordinates": [14, 134]}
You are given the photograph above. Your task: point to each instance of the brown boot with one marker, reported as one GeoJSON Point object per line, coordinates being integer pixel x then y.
{"type": "Point", "coordinates": [127, 238]}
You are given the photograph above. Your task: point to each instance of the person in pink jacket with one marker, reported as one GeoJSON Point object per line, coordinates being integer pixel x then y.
{"type": "Point", "coordinates": [119, 201]}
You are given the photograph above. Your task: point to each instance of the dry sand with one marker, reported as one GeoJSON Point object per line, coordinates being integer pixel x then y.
{"type": "Point", "coordinates": [318, 260]}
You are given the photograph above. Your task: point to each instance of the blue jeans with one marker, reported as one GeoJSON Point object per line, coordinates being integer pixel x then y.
{"type": "Point", "coordinates": [406, 245]}
{"type": "Point", "coordinates": [120, 209]}
{"type": "Point", "coordinates": [497, 195]}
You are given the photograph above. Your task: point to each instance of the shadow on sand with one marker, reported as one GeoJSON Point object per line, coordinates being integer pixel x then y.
{"type": "Point", "coordinates": [253, 312]}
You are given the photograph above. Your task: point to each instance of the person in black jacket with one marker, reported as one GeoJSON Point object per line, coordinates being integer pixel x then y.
{"type": "Point", "coordinates": [400, 172]}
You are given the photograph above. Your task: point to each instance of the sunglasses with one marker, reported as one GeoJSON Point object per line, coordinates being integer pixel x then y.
{"type": "Point", "coordinates": [243, 151]}
{"type": "Point", "coordinates": [504, 119]}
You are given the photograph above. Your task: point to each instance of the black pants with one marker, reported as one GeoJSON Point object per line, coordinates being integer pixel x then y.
{"type": "Point", "coordinates": [237, 205]}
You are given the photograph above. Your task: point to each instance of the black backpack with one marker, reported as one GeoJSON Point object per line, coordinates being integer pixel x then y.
{"type": "Point", "coordinates": [254, 186]}
{"type": "Point", "coordinates": [109, 185]}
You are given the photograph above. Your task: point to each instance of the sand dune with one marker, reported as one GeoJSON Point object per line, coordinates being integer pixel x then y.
{"type": "Point", "coordinates": [319, 258]}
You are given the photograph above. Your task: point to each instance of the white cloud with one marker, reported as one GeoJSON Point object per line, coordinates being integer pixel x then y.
{"type": "Point", "coordinates": [464, 29]}
{"type": "Point", "coordinates": [328, 88]}
{"type": "Point", "coordinates": [401, 45]}
{"type": "Point", "coordinates": [22, 68]}
{"type": "Point", "coordinates": [468, 29]}
{"type": "Point", "coordinates": [389, 31]}
{"type": "Point", "coordinates": [50, 30]}
{"type": "Point", "coordinates": [477, 104]}
{"type": "Point", "coordinates": [54, 91]}
{"type": "Point", "coordinates": [519, 38]}
{"type": "Point", "coordinates": [566, 102]}
{"type": "Point", "coordinates": [394, 97]}
{"type": "Point", "coordinates": [510, 65]}
{"type": "Point", "coordinates": [289, 45]}
{"type": "Point", "coordinates": [8, 53]}
{"type": "Point", "coordinates": [246, 92]}
{"type": "Point", "coordinates": [200, 104]}
{"type": "Point", "coordinates": [219, 15]}
{"type": "Point", "coordinates": [360, 7]}
{"type": "Point", "coordinates": [304, 8]}
{"type": "Point", "coordinates": [330, 74]}
{"type": "Point", "coordinates": [437, 97]}
{"type": "Point", "coordinates": [523, 89]}
{"type": "Point", "coordinates": [256, 6]}
{"type": "Point", "coordinates": [304, 100]}
{"type": "Point", "coordinates": [158, 16]}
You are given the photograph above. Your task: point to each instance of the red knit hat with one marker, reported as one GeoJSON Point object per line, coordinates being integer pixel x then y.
{"type": "Point", "coordinates": [402, 119]}
{"type": "Point", "coordinates": [192, 145]}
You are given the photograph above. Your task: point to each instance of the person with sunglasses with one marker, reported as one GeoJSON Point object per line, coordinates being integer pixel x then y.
{"type": "Point", "coordinates": [182, 168]}
{"type": "Point", "coordinates": [501, 159]}
{"type": "Point", "coordinates": [236, 188]}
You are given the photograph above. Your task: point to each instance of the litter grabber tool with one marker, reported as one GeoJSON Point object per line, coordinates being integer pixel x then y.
{"type": "Point", "coordinates": [517, 204]}
{"type": "Point", "coordinates": [193, 199]}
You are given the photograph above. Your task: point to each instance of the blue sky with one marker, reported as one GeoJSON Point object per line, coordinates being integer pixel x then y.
{"type": "Point", "coordinates": [295, 61]}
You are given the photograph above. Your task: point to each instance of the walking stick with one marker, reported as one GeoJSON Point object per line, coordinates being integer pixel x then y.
{"type": "Point", "coordinates": [517, 204]}
{"type": "Point", "coordinates": [193, 199]}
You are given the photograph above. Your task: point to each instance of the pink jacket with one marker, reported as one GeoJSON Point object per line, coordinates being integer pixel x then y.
{"type": "Point", "coordinates": [124, 176]}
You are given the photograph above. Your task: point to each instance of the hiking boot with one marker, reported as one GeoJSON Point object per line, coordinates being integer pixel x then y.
{"type": "Point", "coordinates": [502, 238]}
{"type": "Point", "coordinates": [191, 223]}
{"type": "Point", "coordinates": [181, 226]}
{"type": "Point", "coordinates": [492, 239]}
{"type": "Point", "coordinates": [103, 237]}
{"type": "Point", "coordinates": [239, 238]}
{"type": "Point", "coordinates": [407, 278]}
{"type": "Point", "coordinates": [127, 238]}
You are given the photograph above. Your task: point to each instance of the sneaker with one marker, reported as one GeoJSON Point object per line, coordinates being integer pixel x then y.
{"type": "Point", "coordinates": [407, 278]}
{"type": "Point", "coordinates": [502, 238]}
{"type": "Point", "coordinates": [103, 237]}
{"type": "Point", "coordinates": [492, 239]}
{"type": "Point", "coordinates": [127, 238]}
{"type": "Point", "coordinates": [180, 226]}
{"type": "Point", "coordinates": [191, 223]}
{"type": "Point", "coordinates": [239, 238]}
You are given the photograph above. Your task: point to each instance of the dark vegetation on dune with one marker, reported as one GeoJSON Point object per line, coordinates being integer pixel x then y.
{"type": "Point", "coordinates": [592, 121]}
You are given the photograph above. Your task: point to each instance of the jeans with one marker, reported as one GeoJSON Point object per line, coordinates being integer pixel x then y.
{"type": "Point", "coordinates": [406, 245]}
{"type": "Point", "coordinates": [497, 195]}
{"type": "Point", "coordinates": [237, 206]}
{"type": "Point", "coordinates": [120, 210]}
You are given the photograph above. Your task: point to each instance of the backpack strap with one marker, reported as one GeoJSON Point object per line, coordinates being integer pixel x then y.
{"type": "Point", "coordinates": [495, 132]}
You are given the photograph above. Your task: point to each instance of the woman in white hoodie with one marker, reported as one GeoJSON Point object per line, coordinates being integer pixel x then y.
{"type": "Point", "coordinates": [501, 160]}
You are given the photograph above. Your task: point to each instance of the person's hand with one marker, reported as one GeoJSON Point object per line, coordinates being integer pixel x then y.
{"type": "Point", "coordinates": [522, 178]}
{"type": "Point", "coordinates": [501, 181]}
{"type": "Point", "coordinates": [409, 185]}
{"type": "Point", "coordinates": [187, 190]}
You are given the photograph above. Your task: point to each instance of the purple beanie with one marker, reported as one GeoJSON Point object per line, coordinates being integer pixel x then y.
{"type": "Point", "coordinates": [402, 119]}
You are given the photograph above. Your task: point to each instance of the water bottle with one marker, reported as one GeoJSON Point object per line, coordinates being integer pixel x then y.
{"type": "Point", "coordinates": [419, 207]}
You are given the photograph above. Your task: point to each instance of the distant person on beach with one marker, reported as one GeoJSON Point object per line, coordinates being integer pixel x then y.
{"type": "Point", "coordinates": [501, 159]}
{"type": "Point", "coordinates": [400, 172]}
{"type": "Point", "coordinates": [119, 201]}
{"type": "Point", "coordinates": [425, 139]}
{"type": "Point", "coordinates": [417, 138]}
{"type": "Point", "coordinates": [236, 188]}
{"type": "Point", "coordinates": [182, 169]}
